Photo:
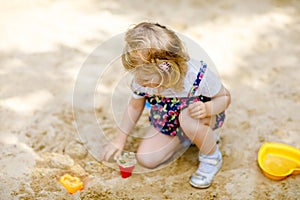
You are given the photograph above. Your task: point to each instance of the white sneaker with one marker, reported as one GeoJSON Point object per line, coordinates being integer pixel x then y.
{"type": "Point", "coordinates": [207, 170]}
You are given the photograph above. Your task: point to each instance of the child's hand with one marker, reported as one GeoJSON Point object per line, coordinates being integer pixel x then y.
{"type": "Point", "coordinates": [113, 148]}
{"type": "Point", "coordinates": [109, 150]}
{"type": "Point", "coordinates": [197, 110]}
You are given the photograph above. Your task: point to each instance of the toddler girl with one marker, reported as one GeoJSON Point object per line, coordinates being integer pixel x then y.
{"type": "Point", "coordinates": [187, 101]}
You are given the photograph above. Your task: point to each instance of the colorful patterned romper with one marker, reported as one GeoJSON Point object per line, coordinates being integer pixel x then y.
{"type": "Point", "coordinates": [165, 111]}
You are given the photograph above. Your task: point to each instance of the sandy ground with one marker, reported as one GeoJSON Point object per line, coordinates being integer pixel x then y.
{"type": "Point", "coordinates": [45, 44]}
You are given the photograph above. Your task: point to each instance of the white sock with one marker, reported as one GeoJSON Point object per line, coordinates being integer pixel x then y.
{"type": "Point", "coordinates": [215, 155]}
{"type": "Point", "coordinates": [208, 168]}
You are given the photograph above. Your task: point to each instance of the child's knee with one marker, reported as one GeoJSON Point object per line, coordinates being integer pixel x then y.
{"type": "Point", "coordinates": [183, 116]}
{"type": "Point", "coordinates": [146, 161]}
{"type": "Point", "coordinates": [191, 125]}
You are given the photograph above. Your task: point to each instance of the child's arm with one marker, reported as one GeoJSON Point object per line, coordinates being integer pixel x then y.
{"type": "Point", "coordinates": [218, 104]}
{"type": "Point", "coordinates": [130, 118]}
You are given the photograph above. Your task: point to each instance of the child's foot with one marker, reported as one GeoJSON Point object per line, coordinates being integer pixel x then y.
{"type": "Point", "coordinates": [208, 168]}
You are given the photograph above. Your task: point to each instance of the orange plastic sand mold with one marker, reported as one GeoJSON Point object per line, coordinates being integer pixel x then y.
{"type": "Point", "coordinates": [278, 161]}
{"type": "Point", "coordinates": [72, 184]}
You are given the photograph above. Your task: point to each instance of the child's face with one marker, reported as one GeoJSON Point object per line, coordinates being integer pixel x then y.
{"type": "Point", "coordinates": [151, 81]}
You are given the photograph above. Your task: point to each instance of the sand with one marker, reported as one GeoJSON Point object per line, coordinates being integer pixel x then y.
{"type": "Point", "coordinates": [47, 131]}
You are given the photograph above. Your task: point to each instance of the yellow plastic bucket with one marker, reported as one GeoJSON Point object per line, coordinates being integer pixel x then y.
{"type": "Point", "coordinates": [278, 161]}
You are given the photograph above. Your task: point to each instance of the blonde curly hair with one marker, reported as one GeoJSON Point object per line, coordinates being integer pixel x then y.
{"type": "Point", "coordinates": [153, 49]}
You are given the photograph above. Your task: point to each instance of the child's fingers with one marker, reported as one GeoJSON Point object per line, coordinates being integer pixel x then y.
{"type": "Point", "coordinates": [202, 115]}
{"type": "Point", "coordinates": [193, 107]}
{"type": "Point", "coordinates": [198, 114]}
{"type": "Point", "coordinates": [194, 115]}
{"type": "Point", "coordinates": [196, 107]}
{"type": "Point", "coordinates": [102, 156]}
{"type": "Point", "coordinates": [117, 155]}
{"type": "Point", "coordinates": [108, 155]}
{"type": "Point", "coordinates": [108, 151]}
{"type": "Point", "coordinates": [197, 110]}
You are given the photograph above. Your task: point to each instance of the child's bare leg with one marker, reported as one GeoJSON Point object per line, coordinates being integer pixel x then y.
{"type": "Point", "coordinates": [199, 131]}
{"type": "Point", "coordinates": [210, 157]}
{"type": "Point", "coordinates": [156, 148]}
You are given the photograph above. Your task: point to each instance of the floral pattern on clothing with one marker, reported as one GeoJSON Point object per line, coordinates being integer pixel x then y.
{"type": "Point", "coordinates": [165, 111]}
